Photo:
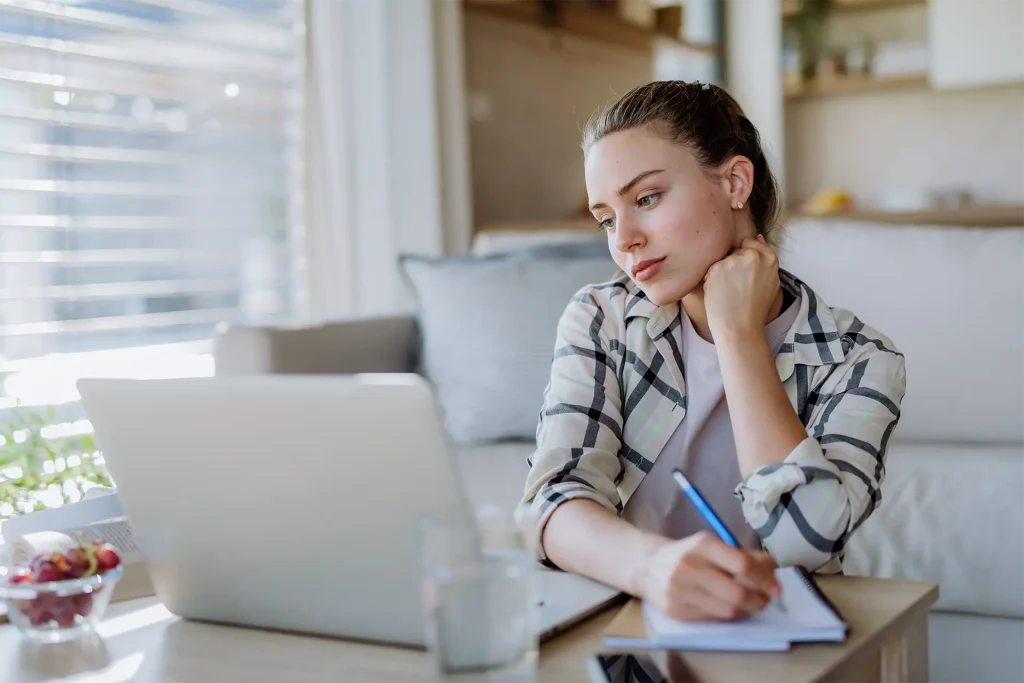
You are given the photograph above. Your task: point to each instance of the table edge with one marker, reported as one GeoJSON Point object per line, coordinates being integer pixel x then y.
{"type": "Point", "coordinates": [921, 607]}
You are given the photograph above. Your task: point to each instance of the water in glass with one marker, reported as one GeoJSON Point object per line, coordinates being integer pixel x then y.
{"type": "Point", "coordinates": [480, 605]}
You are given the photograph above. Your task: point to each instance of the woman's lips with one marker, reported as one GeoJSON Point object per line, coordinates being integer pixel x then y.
{"type": "Point", "coordinates": [645, 270]}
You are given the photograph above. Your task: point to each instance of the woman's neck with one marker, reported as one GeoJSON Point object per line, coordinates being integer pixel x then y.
{"type": "Point", "coordinates": [693, 305]}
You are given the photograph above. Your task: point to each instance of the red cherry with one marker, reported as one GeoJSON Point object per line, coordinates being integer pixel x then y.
{"type": "Point", "coordinates": [46, 601]}
{"type": "Point", "coordinates": [107, 558]}
{"type": "Point", "coordinates": [64, 612]}
{"type": "Point", "coordinates": [83, 604]}
{"type": "Point", "coordinates": [20, 575]}
{"type": "Point", "coordinates": [39, 617]}
{"type": "Point", "coordinates": [80, 562]}
{"type": "Point", "coordinates": [39, 559]}
{"type": "Point", "coordinates": [40, 610]}
{"type": "Point", "coordinates": [47, 571]}
{"type": "Point", "coordinates": [54, 564]}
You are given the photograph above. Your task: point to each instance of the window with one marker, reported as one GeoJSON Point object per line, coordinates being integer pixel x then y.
{"type": "Point", "coordinates": [151, 156]}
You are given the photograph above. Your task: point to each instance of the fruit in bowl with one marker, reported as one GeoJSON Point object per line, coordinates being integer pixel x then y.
{"type": "Point", "coordinates": [61, 596]}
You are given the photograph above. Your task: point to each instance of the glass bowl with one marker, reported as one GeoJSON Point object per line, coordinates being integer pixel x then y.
{"type": "Point", "coordinates": [58, 611]}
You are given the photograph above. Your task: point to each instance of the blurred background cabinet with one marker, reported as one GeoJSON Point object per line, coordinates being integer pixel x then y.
{"type": "Point", "coordinates": [976, 43]}
{"type": "Point", "coordinates": [535, 73]}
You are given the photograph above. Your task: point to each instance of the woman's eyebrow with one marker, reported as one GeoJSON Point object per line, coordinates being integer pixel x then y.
{"type": "Point", "coordinates": [629, 186]}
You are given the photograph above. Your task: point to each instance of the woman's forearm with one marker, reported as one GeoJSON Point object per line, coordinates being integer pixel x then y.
{"type": "Point", "coordinates": [765, 426]}
{"type": "Point", "coordinates": [584, 538]}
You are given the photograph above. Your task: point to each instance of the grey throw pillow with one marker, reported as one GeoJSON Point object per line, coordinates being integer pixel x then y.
{"type": "Point", "coordinates": [487, 327]}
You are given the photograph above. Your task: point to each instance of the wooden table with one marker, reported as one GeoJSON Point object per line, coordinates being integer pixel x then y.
{"type": "Point", "coordinates": [142, 641]}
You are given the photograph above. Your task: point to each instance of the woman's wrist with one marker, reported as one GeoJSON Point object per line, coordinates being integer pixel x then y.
{"type": "Point", "coordinates": [733, 339]}
{"type": "Point", "coordinates": [650, 544]}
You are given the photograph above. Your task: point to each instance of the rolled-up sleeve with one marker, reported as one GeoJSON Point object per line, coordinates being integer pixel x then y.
{"type": "Point", "coordinates": [580, 430]}
{"type": "Point", "coordinates": [806, 507]}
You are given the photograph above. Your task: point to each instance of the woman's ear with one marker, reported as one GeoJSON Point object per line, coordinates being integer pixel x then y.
{"type": "Point", "coordinates": [738, 175]}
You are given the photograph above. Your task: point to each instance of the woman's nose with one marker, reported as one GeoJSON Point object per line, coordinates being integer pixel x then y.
{"type": "Point", "coordinates": [627, 235]}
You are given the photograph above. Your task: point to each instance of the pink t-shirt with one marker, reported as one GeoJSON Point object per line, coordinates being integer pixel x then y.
{"type": "Point", "coordinates": [702, 446]}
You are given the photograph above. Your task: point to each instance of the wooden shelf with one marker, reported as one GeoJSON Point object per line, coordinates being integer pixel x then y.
{"type": "Point", "coordinates": [978, 215]}
{"type": "Point", "coordinates": [971, 216]}
{"type": "Point", "coordinates": [849, 85]}
{"type": "Point", "coordinates": [583, 21]}
{"type": "Point", "coordinates": [791, 8]}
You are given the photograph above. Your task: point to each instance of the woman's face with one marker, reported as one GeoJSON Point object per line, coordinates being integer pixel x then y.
{"type": "Point", "coordinates": [667, 219]}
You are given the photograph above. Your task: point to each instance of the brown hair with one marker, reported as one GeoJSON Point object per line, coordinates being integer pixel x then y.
{"type": "Point", "coordinates": [705, 119]}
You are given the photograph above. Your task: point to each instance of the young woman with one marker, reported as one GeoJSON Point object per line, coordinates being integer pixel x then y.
{"type": "Point", "coordinates": [705, 356]}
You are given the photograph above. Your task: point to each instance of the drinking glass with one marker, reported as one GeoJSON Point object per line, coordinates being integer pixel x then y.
{"type": "Point", "coordinates": [479, 600]}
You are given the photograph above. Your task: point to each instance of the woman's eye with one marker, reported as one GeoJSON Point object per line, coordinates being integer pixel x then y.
{"type": "Point", "coordinates": [607, 223]}
{"type": "Point", "coordinates": [648, 200]}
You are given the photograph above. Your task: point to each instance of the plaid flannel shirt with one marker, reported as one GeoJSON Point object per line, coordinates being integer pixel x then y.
{"type": "Point", "coordinates": [616, 395]}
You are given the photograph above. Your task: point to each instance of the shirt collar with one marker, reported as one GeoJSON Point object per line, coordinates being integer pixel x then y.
{"type": "Point", "coordinates": [812, 340]}
{"type": "Point", "coordinates": [639, 306]}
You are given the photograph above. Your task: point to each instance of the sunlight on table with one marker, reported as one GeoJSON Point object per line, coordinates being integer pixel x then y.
{"type": "Point", "coordinates": [133, 620]}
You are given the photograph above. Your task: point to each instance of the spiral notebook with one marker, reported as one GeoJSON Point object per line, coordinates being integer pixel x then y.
{"type": "Point", "coordinates": [808, 617]}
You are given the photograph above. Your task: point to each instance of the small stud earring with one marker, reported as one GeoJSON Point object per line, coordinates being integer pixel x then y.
{"type": "Point", "coordinates": [739, 205]}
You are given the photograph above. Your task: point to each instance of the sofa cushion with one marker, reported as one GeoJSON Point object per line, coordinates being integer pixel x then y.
{"type": "Point", "coordinates": [488, 333]}
{"type": "Point", "coordinates": [495, 474]}
{"type": "Point", "coordinates": [952, 299]}
{"type": "Point", "coordinates": [952, 515]}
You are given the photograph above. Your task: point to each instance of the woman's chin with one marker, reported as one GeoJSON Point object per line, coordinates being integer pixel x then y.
{"type": "Point", "coordinates": [663, 292]}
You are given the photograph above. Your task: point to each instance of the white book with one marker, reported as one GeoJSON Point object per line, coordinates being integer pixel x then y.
{"type": "Point", "coordinates": [806, 615]}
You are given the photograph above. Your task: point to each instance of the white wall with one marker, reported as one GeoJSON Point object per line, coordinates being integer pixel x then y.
{"type": "Point", "coordinates": [753, 42]}
{"type": "Point", "coordinates": [908, 142]}
{"type": "Point", "coordinates": [976, 42]}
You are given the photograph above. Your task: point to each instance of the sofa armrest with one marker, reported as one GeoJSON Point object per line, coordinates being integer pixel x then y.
{"type": "Point", "coordinates": [378, 344]}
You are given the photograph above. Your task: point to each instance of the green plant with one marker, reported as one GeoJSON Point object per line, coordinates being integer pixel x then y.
{"type": "Point", "coordinates": [35, 469]}
{"type": "Point", "coordinates": [811, 22]}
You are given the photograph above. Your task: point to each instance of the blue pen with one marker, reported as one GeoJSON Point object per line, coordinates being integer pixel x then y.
{"type": "Point", "coordinates": [704, 509]}
{"type": "Point", "coordinates": [709, 515]}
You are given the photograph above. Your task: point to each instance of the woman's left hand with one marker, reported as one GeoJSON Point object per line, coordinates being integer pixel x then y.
{"type": "Point", "coordinates": [740, 289]}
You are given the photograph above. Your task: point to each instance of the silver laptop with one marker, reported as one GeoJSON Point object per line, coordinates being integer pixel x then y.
{"type": "Point", "coordinates": [292, 502]}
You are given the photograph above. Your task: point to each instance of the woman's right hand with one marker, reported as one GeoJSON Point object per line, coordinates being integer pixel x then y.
{"type": "Point", "coordinates": [701, 578]}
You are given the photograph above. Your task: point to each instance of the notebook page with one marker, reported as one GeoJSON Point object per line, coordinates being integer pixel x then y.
{"type": "Point", "coordinates": [703, 644]}
{"type": "Point", "coordinates": [802, 604]}
{"type": "Point", "coordinates": [805, 618]}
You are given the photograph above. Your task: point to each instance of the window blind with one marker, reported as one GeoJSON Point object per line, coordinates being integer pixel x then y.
{"type": "Point", "coordinates": [151, 156]}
